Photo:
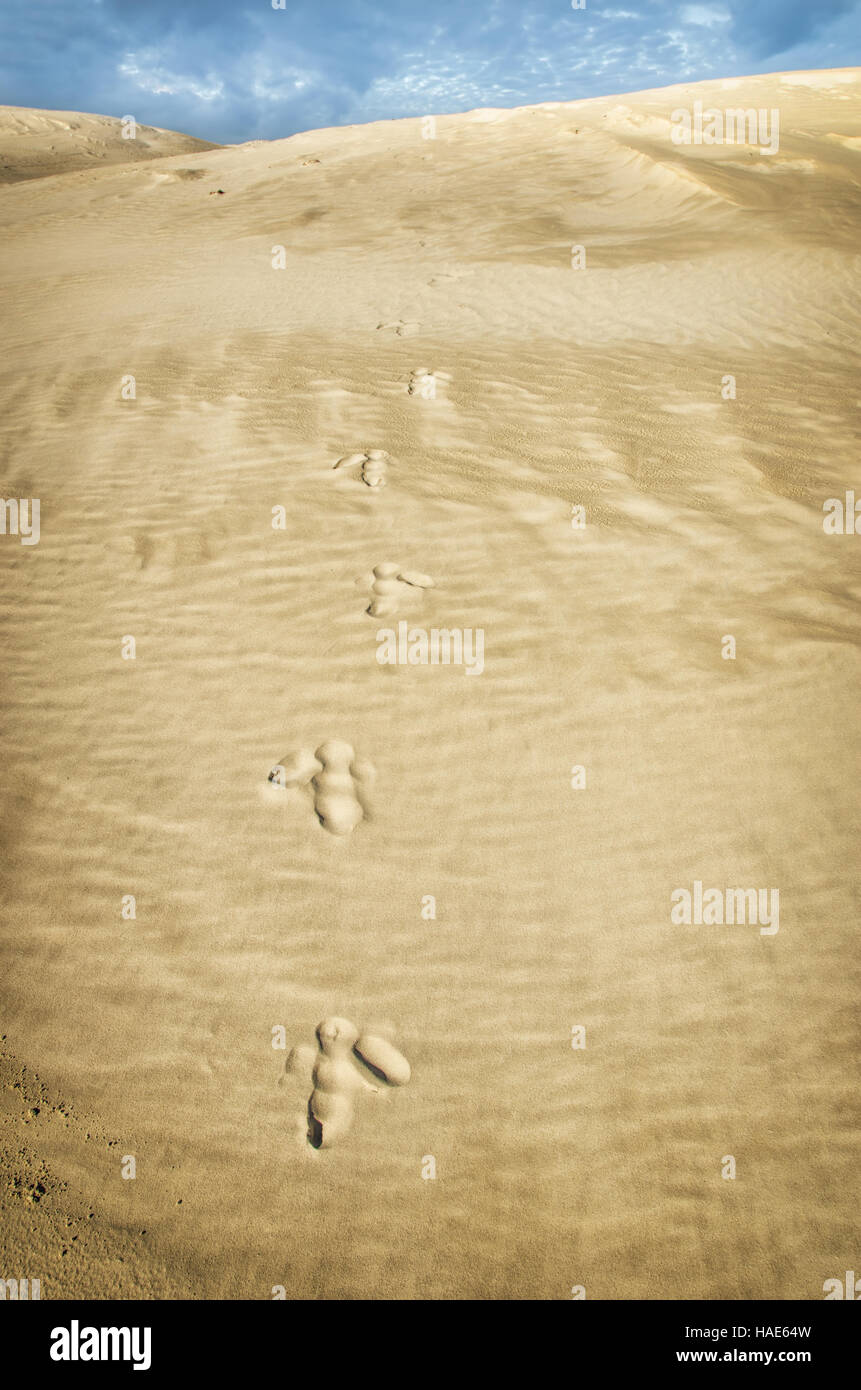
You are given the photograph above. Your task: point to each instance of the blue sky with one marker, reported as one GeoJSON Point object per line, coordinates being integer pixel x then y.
{"type": "Point", "coordinates": [230, 70]}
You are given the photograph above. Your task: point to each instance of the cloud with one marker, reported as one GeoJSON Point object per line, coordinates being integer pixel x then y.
{"type": "Point", "coordinates": [708, 16]}
{"type": "Point", "coordinates": [146, 73]}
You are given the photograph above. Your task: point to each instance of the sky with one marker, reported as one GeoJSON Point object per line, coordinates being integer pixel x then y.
{"type": "Point", "coordinates": [234, 70]}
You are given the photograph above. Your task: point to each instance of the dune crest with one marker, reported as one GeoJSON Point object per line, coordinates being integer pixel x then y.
{"type": "Point", "coordinates": [38, 144]}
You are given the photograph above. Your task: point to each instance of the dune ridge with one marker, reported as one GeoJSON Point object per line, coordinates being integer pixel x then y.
{"type": "Point", "coordinates": [41, 144]}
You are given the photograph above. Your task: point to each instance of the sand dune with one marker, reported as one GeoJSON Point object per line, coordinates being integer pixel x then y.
{"type": "Point", "coordinates": [184, 368]}
{"type": "Point", "coordinates": [38, 144]}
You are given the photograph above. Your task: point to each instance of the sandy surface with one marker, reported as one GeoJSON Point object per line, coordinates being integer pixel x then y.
{"type": "Point", "coordinates": [555, 1167]}
{"type": "Point", "coordinates": [38, 144]}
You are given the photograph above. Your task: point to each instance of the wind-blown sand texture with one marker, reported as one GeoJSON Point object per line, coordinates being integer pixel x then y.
{"type": "Point", "coordinates": [38, 144]}
{"type": "Point", "coordinates": [165, 1037]}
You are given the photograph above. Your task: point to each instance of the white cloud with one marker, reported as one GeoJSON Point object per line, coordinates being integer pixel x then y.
{"type": "Point", "coordinates": [432, 87]}
{"type": "Point", "coordinates": [706, 16]}
{"type": "Point", "coordinates": [148, 76]}
{"type": "Point", "coordinates": [281, 83]}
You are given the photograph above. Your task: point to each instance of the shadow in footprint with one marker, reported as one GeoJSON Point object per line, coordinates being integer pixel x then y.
{"type": "Point", "coordinates": [315, 1129]}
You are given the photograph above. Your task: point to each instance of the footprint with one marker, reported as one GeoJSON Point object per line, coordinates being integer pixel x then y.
{"type": "Point", "coordinates": [300, 1061]}
{"type": "Point", "coordinates": [405, 328]}
{"type": "Point", "coordinates": [337, 1079]}
{"type": "Point", "coordinates": [336, 800]}
{"type": "Point", "coordinates": [296, 770]}
{"type": "Point", "coordinates": [339, 782]}
{"type": "Point", "coordinates": [374, 466]}
{"type": "Point", "coordinates": [375, 469]}
{"type": "Point", "coordinates": [383, 1059]}
{"type": "Point", "coordinates": [424, 383]}
{"type": "Point", "coordinates": [336, 1082]}
{"type": "Point", "coordinates": [391, 588]}
{"type": "Point", "coordinates": [443, 275]}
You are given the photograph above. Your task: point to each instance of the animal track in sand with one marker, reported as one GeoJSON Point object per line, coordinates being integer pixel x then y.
{"type": "Point", "coordinates": [405, 328]}
{"type": "Point", "coordinates": [392, 587]}
{"type": "Point", "coordinates": [155, 551]}
{"type": "Point", "coordinates": [424, 383]}
{"type": "Point", "coordinates": [374, 466]}
{"type": "Point", "coordinates": [443, 275]}
{"type": "Point", "coordinates": [339, 782]}
{"type": "Point", "coordinates": [336, 1076]}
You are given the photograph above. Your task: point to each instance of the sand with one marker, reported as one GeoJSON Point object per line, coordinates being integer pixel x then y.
{"type": "Point", "coordinates": [39, 144]}
{"type": "Point", "coordinates": [485, 907]}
